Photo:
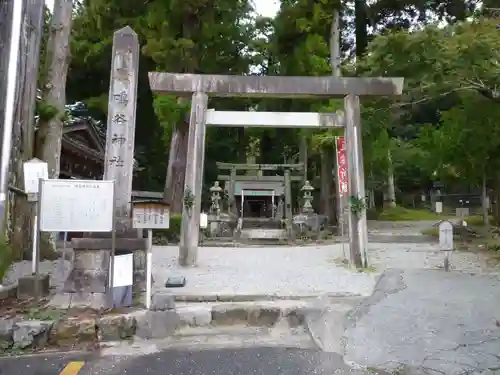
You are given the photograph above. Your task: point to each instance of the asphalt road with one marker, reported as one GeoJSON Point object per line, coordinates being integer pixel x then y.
{"type": "Point", "coordinates": [254, 361]}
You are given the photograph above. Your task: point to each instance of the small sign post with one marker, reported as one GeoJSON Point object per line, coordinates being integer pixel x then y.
{"type": "Point", "coordinates": [150, 215]}
{"type": "Point", "coordinates": [439, 207]}
{"type": "Point", "coordinates": [446, 241]}
{"type": "Point", "coordinates": [34, 170]}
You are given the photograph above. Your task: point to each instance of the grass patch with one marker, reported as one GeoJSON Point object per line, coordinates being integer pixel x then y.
{"type": "Point", "coordinates": [369, 269]}
{"type": "Point", "coordinates": [406, 214]}
{"type": "Point", "coordinates": [432, 232]}
{"type": "Point", "coordinates": [477, 220]}
{"type": "Point", "coordinates": [37, 313]}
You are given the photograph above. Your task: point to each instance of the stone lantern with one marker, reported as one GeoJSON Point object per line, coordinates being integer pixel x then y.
{"type": "Point", "coordinates": [216, 197]}
{"type": "Point", "coordinates": [307, 206]}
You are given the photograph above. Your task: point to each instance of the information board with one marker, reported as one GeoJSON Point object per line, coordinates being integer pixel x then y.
{"type": "Point", "coordinates": [123, 270]}
{"type": "Point", "coordinates": [151, 217]}
{"type": "Point", "coordinates": [76, 206]}
{"type": "Point", "coordinates": [33, 171]}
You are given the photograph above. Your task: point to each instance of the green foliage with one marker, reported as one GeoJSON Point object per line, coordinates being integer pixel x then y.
{"type": "Point", "coordinates": [173, 233]}
{"type": "Point", "coordinates": [45, 111]}
{"type": "Point", "coordinates": [477, 220]}
{"type": "Point", "coordinates": [431, 232]}
{"type": "Point", "coordinates": [461, 56]}
{"type": "Point", "coordinates": [357, 205]}
{"type": "Point", "coordinates": [450, 92]}
{"type": "Point", "coordinates": [406, 214]}
{"type": "Point", "coordinates": [189, 198]}
{"type": "Point", "coordinates": [44, 314]}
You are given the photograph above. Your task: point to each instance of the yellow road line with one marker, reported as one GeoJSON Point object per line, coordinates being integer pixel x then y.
{"type": "Point", "coordinates": [72, 368]}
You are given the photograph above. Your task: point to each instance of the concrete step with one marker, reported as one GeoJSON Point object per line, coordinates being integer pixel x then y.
{"type": "Point", "coordinates": [252, 313]}
{"type": "Point", "coordinates": [310, 323]}
{"type": "Point", "coordinates": [202, 338]}
{"type": "Point", "coordinates": [322, 319]}
{"type": "Point", "coordinates": [263, 234]}
{"type": "Point", "coordinates": [261, 223]}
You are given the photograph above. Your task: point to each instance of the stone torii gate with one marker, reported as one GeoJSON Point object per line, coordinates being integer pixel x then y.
{"type": "Point", "coordinates": [203, 86]}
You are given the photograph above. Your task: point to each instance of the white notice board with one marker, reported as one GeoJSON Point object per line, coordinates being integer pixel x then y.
{"type": "Point", "coordinates": [76, 206]}
{"type": "Point", "coordinates": [150, 218]}
{"type": "Point", "coordinates": [33, 171]}
{"type": "Point", "coordinates": [123, 270]}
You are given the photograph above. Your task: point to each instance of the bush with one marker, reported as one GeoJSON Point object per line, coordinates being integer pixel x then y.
{"type": "Point", "coordinates": [170, 235]}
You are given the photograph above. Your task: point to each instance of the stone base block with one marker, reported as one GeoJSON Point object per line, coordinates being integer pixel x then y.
{"type": "Point", "coordinates": [96, 301]}
{"type": "Point", "coordinates": [162, 302]}
{"type": "Point", "coordinates": [157, 324]}
{"type": "Point", "coordinates": [116, 327]}
{"type": "Point", "coordinates": [29, 285]}
{"type": "Point", "coordinates": [33, 334]}
{"type": "Point", "coordinates": [82, 300]}
{"type": "Point", "coordinates": [67, 332]}
{"type": "Point", "coordinates": [8, 291]}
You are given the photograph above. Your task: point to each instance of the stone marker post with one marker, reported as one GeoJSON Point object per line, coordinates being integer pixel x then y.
{"type": "Point", "coordinates": [358, 239]}
{"type": "Point", "coordinates": [120, 135]}
{"type": "Point", "coordinates": [89, 278]}
{"type": "Point", "coordinates": [190, 229]}
{"type": "Point", "coordinates": [446, 241]}
{"type": "Point", "coordinates": [120, 138]}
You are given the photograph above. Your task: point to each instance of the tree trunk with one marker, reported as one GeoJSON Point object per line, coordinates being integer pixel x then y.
{"type": "Point", "coordinates": [335, 44]}
{"type": "Point", "coordinates": [48, 138]}
{"type": "Point", "coordinates": [303, 153]}
{"type": "Point", "coordinates": [49, 134]}
{"type": "Point", "coordinates": [360, 21]}
{"type": "Point", "coordinates": [20, 211]}
{"type": "Point", "coordinates": [328, 190]}
{"type": "Point", "coordinates": [484, 201]}
{"type": "Point", "coordinates": [391, 188]}
{"type": "Point", "coordinates": [496, 205]}
{"type": "Point", "coordinates": [6, 19]}
{"type": "Point", "coordinates": [176, 169]}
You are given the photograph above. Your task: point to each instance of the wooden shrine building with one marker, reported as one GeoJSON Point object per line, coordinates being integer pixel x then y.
{"type": "Point", "coordinates": [256, 195]}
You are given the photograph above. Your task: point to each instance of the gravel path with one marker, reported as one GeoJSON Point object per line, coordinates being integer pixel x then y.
{"type": "Point", "coordinates": [287, 270]}
{"type": "Point", "coordinates": [297, 271]}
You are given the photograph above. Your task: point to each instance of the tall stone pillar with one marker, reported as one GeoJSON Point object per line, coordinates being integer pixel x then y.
{"type": "Point", "coordinates": [358, 239]}
{"type": "Point", "coordinates": [190, 226]}
{"type": "Point", "coordinates": [90, 279]}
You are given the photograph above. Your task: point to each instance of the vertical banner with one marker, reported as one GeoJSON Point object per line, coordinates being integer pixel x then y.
{"type": "Point", "coordinates": [341, 166]}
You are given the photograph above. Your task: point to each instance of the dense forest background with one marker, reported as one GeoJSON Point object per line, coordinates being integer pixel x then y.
{"type": "Point", "coordinates": [444, 129]}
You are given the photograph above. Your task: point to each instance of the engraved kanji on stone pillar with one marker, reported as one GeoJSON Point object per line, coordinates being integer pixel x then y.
{"type": "Point", "coordinates": [120, 137]}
